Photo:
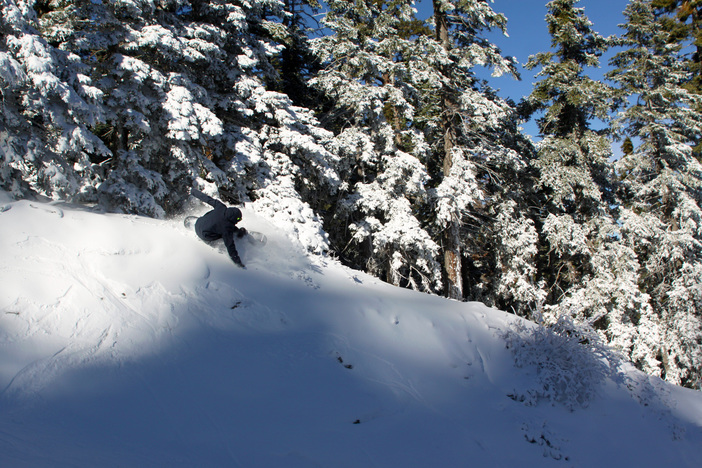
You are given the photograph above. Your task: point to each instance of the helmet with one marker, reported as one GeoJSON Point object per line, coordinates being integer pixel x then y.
{"type": "Point", "coordinates": [233, 215]}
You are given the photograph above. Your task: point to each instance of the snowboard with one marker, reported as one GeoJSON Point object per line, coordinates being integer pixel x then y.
{"type": "Point", "coordinates": [253, 237]}
{"type": "Point", "coordinates": [256, 238]}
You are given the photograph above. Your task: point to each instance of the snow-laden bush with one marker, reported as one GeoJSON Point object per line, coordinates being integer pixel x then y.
{"type": "Point", "coordinates": [568, 360]}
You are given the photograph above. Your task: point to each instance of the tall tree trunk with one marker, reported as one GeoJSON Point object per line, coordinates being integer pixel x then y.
{"type": "Point", "coordinates": [393, 114]}
{"type": "Point", "coordinates": [291, 63]}
{"type": "Point", "coordinates": [453, 261]}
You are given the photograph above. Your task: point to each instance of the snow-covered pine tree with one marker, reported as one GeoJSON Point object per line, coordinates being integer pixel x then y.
{"type": "Point", "coordinates": [683, 20]}
{"type": "Point", "coordinates": [50, 102]}
{"type": "Point", "coordinates": [590, 274]}
{"type": "Point", "coordinates": [394, 80]}
{"type": "Point", "coordinates": [465, 125]}
{"type": "Point", "coordinates": [514, 284]}
{"type": "Point", "coordinates": [297, 62]}
{"type": "Point", "coordinates": [177, 96]}
{"type": "Point", "coordinates": [662, 195]}
{"type": "Point", "coordinates": [195, 106]}
{"type": "Point", "coordinates": [370, 64]}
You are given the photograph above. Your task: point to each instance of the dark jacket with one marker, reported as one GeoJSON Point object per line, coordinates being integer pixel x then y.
{"type": "Point", "coordinates": [220, 223]}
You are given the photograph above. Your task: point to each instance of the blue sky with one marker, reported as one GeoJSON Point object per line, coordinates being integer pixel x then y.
{"type": "Point", "coordinates": [528, 35]}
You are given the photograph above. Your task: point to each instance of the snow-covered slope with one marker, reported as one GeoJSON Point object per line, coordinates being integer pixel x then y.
{"type": "Point", "coordinates": [125, 341]}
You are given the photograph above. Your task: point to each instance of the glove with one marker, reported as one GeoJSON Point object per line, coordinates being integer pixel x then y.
{"type": "Point", "coordinates": [241, 232]}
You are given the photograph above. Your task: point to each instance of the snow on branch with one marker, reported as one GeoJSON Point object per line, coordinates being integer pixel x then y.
{"type": "Point", "coordinates": [189, 120]}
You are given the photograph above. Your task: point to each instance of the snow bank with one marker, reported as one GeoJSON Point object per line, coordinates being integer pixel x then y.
{"type": "Point", "coordinates": [125, 341]}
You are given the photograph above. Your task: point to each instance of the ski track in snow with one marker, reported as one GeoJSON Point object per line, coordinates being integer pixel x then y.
{"type": "Point", "coordinates": [125, 341]}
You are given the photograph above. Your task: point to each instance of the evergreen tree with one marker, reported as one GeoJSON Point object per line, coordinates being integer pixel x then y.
{"type": "Point", "coordinates": [683, 20]}
{"type": "Point", "coordinates": [176, 92]}
{"type": "Point", "coordinates": [297, 61]}
{"type": "Point", "coordinates": [460, 117]}
{"type": "Point", "coordinates": [589, 273]}
{"type": "Point", "coordinates": [50, 101]}
{"type": "Point", "coordinates": [418, 114]}
{"type": "Point", "coordinates": [371, 63]}
{"type": "Point", "coordinates": [661, 194]}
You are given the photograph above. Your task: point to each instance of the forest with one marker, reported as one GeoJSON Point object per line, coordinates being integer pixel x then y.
{"type": "Point", "coordinates": [369, 130]}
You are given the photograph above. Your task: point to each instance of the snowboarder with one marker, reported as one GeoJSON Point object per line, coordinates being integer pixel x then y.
{"type": "Point", "coordinates": [220, 223]}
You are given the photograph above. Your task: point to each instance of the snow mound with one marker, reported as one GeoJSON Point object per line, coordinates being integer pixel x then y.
{"type": "Point", "coordinates": [125, 341]}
